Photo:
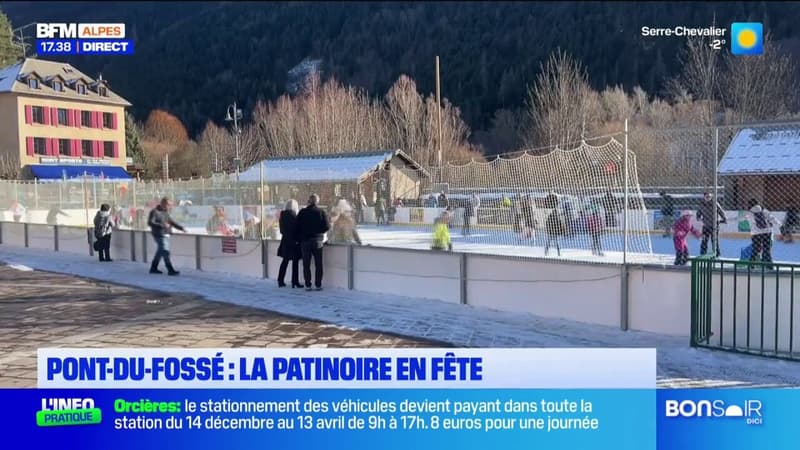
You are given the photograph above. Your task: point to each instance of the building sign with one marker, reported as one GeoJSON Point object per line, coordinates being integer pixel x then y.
{"type": "Point", "coordinates": [64, 160]}
{"type": "Point", "coordinates": [229, 245]}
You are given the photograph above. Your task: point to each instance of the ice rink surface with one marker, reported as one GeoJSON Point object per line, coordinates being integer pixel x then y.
{"type": "Point", "coordinates": [508, 243]}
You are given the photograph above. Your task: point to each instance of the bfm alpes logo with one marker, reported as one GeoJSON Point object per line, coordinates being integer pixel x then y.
{"type": "Point", "coordinates": [749, 410]}
{"type": "Point", "coordinates": [80, 30]}
{"type": "Point", "coordinates": [82, 38]}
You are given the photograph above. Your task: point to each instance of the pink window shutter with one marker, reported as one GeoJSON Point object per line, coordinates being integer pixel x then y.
{"type": "Point", "coordinates": [74, 148]}
{"type": "Point", "coordinates": [54, 113]}
{"type": "Point", "coordinates": [46, 114]}
{"type": "Point", "coordinates": [116, 149]}
{"type": "Point", "coordinates": [77, 113]}
{"type": "Point", "coordinates": [54, 146]}
{"type": "Point", "coordinates": [100, 120]}
{"type": "Point", "coordinates": [48, 147]}
{"type": "Point", "coordinates": [70, 118]}
{"type": "Point", "coordinates": [29, 145]}
{"type": "Point", "coordinates": [28, 114]}
{"type": "Point", "coordinates": [98, 153]}
{"type": "Point", "coordinates": [114, 121]}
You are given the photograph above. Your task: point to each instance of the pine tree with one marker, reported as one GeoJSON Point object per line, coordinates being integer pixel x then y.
{"type": "Point", "coordinates": [10, 52]}
{"type": "Point", "coordinates": [133, 140]}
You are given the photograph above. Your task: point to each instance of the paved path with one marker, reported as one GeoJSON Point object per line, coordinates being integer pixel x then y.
{"type": "Point", "coordinates": [463, 326]}
{"type": "Point", "coordinates": [41, 309]}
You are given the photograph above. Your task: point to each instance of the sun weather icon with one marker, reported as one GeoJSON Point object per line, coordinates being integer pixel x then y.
{"type": "Point", "coordinates": [747, 38]}
{"type": "Point", "coordinates": [734, 411]}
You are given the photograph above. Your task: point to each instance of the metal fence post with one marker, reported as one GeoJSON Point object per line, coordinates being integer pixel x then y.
{"type": "Point", "coordinates": [350, 267]}
{"type": "Point", "coordinates": [625, 214]}
{"type": "Point", "coordinates": [462, 273]}
{"type": "Point", "coordinates": [25, 228]}
{"type": "Point", "coordinates": [55, 237]}
{"type": "Point", "coordinates": [198, 256]}
{"type": "Point", "coordinates": [89, 234]}
{"type": "Point", "coordinates": [144, 246]}
{"type": "Point", "coordinates": [716, 198]}
{"type": "Point", "coordinates": [133, 245]}
{"type": "Point", "coordinates": [265, 257]}
{"type": "Point", "coordinates": [624, 300]}
{"type": "Point", "coordinates": [1, 231]}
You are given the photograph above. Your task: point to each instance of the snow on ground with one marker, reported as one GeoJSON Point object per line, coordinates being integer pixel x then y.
{"type": "Point", "coordinates": [465, 326]}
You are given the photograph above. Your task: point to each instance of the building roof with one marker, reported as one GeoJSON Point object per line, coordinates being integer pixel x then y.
{"type": "Point", "coordinates": [341, 167]}
{"type": "Point", "coordinates": [762, 152]}
{"type": "Point", "coordinates": [12, 80]}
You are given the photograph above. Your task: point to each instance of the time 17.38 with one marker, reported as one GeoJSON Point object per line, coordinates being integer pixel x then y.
{"type": "Point", "coordinates": [56, 46]}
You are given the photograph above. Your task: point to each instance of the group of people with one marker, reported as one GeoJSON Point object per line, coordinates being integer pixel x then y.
{"type": "Point", "coordinates": [760, 220]}
{"type": "Point", "coordinates": [384, 211]}
{"type": "Point", "coordinates": [161, 226]}
{"type": "Point", "coordinates": [303, 233]}
{"type": "Point", "coordinates": [560, 221]}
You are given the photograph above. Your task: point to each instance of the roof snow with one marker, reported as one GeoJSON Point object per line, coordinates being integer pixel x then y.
{"type": "Point", "coordinates": [760, 152]}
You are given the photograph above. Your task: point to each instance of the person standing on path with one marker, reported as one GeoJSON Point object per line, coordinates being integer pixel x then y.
{"type": "Point", "coordinates": [161, 226]}
{"type": "Point", "coordinates": [289, 248]}
{"type": "Point", "coordinates": [312, 224]}
{"type": "Point", "coordinates": [103, 227]}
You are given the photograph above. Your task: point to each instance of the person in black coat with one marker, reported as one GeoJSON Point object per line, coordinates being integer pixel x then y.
{"type": "Point", "coordinates": [289, 248]}
{"type": "Point", "coordinates": [312, 224]}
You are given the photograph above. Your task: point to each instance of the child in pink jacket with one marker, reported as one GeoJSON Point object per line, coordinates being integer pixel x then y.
{"type": "Point", "coordinates": [680, 233]}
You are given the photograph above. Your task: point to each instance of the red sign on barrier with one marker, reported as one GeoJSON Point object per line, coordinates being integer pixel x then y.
{"type": "Point", "coordinates": [229, 245]}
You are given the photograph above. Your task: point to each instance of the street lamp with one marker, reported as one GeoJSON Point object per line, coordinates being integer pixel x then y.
{"type": "Point", "coordinates": [21, 38]}
{"type": "Point", "coordinates": [235, 117]}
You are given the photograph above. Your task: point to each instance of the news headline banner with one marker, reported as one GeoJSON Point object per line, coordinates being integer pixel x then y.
{"type": "Point", "coordinates": [439, 368]}
{"type": "Point", "coordinates": [333, 418]}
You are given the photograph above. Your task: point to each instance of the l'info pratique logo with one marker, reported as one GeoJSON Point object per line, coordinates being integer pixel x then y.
{"type": "Point", "coordinates": [750, 410]}
{"type": "Point", "coordinates": [68, 411]}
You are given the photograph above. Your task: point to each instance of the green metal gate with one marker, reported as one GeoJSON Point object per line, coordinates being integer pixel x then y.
{"type": "Point", "coordinates": [745, 307]}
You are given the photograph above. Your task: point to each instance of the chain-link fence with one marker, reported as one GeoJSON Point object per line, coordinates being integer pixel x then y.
{"type": "Point", "coordinates": [637, 195]}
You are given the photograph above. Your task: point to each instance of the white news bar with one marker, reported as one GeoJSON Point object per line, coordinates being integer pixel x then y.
{"type": "Point", "coordinates": [101, 30]}
{"type": "Point", "coordinates": [536, 368]}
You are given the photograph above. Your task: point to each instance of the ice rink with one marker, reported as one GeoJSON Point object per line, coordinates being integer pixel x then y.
{"type": "Point", "coordinates": [508, 243]}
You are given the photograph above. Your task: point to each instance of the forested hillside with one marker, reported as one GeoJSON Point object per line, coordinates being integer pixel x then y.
{"type": "Point", "coordinates": [193, 59]}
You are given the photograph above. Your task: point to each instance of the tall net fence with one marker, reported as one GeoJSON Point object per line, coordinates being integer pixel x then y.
{"type": "Point", "coordinates": [611, 199]}
{"type": "Point", "coordinates": [737, 167]}
{"type": "Point", "coordinates": [568, 202]}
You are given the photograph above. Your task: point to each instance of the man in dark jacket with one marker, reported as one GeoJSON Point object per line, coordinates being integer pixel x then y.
{"type": "Point", "coordinates": [161, 227]}
{"type": "Point", "coordinates": [667, 213]}
{"type": "Point", "coordinates": [312, 224]}
{"type": "Point", "coordinates": [708, 212]}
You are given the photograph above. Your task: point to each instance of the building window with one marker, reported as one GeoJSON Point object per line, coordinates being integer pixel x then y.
{"type": "Point", "coordinates": [108, 149]}
{"type": "Point", "coordinates": [81, 89]}
{"type": "Point", "coordinates": [108, 120]}
{"type": "Point", "coordinates": [64, 147]}
{"type": "Point", "coordinates": [57, 86]}
{"type": "Point", "coordinates": [86, 148]}
{"type": "Point", "coordinates": [33, 83]}
{"type": "Point", "coordinates": [39, 146]}
{"type": "Point", "coordinates": [62, 116]}
{"type": "Point", "coordinates": [37, 114]}
{"type": "Point", "coordinates": [102, 91]}
{"type": "Point", "coordinates": [86, 119]}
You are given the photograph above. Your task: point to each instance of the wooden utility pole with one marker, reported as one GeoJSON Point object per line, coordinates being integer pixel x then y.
{"type": "Point", "coordinates": [439, 113]}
